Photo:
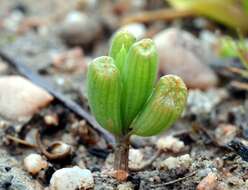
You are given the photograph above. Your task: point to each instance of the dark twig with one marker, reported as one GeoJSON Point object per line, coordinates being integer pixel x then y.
{"type": "Point", "coordinates": [71, 105]}
{"type": "Point", "coordinates": [175, 181]}
{"type": "Point", "coordinates": [164, 14]}
{"type": "Point", "coordinates": [21, 141]}
{"type": "Point", "coordinates": [239, 85]}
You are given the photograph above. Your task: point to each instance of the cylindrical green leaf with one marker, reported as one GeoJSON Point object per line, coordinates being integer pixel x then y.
{"type": "Point", "coordinates": [163, 108]}
{"type": "Point", "coordinates": [104, 93]}
{"type": "Point", "coordinates": [121, 58]}
{"type": "Point", "coordinates": [120, 44]}
{"type": "Point", "coordinates": [138, 77]}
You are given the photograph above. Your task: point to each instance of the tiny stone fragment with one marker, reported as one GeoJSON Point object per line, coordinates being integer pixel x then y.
{"type": "Point", "coordinates": [34, 163]}
{"type": "Point", "coordinates": [135, 158]}
{"type": "Point", "coordinates": [208, 183]}
{"type": "Point", "coordinates": [51, 119]}
{"type": "Point", "coordinates": [13, 177]}
{"type": "Point", "coordinates": [175, 162]}
{"type": "Point", "coordinates": [200, 102]}
{"type": "Point", "coordinates": [125, 186]}
{"type": "Point", "coordinates": [170, 143]}
{"type": "Point", "coordinates": [225, 133]}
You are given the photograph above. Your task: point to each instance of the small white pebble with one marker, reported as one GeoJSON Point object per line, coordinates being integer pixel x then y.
{"type": "Point", "coordinates": [135, 158]}
{"type": "Point", "coordinates": [34, 163]}
{"type": "Point", "coordinates": [246, 182]}
{"type": "Point", "coordinates": [125, 186]}
{"type": "Point", "coordinates": [137, 29]}
{"type": "Point", "coordinates": [170, 143]}
{"type": "Point", "coordinates": [51, 119]}
{"type": "Point", "coordinates": [185, 160]}
{"type": "Point", "coordinates": [71, 178]}
{"type": "Point", "coordinates": [170, 163]}
{"type": "Point", "coordinates": [175, 162]}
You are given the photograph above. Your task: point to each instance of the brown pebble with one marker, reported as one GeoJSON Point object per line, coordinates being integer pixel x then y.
{"type": "Point", "coordinates": [180, 53]}
{"type": "Point", "coordinates": [225, 133]}
{"type": "Point", "coordinates": [157, 179]}
{"type": "Point", "coordinates": [79, 28]}
{"type": "Point", "coordinates": [20, 98]}
{"type": "Point", "coordinates": [72, 60]}
{"type": "Point", "coordinates": [208, 183]}
{"type": "Point", "coordinates": [120, 175]}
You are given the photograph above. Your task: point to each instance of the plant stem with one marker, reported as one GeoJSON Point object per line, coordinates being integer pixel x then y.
{"type": "Point", "coordinates": [163, 14]}
{"type": "Point", "coordinates": [121, 158]}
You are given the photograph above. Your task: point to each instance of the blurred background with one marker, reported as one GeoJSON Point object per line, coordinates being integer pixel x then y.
{"type": "Point", "coordinates": [58, 37]}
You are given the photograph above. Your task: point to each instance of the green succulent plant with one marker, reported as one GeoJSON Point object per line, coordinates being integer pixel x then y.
{"type": "Point", "coordinates": [122, 96]}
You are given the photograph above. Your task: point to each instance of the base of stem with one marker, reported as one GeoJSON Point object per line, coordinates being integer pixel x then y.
{"type": "Point", "coordinates": [121, 159]}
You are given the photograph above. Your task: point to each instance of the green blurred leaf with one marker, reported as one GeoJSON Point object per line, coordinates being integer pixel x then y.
{"type": "Point", "coordinates": [232, 13]}
{"type": "Point", "coordinates": [245, 4]}
{"type": "Point", "coordinates": [228, 47]}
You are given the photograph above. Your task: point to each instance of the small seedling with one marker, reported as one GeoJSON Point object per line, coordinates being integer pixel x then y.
{"type": "Point", "coordinates": [123, 98]}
